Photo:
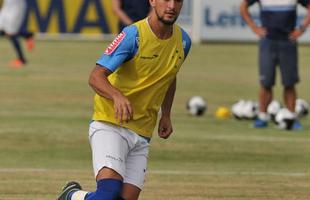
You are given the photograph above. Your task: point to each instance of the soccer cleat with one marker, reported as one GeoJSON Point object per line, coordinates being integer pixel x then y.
{"type": "Point", "coordinates": [69, 188]}
{"type": "Point", "coordinates": [30, 43]}
{"type": "Point", "coordinates": [16, 64]}
{"type": "Point", "coordinates": [258, 123]}
{"type": "Point", "coordinates": [297, 125]}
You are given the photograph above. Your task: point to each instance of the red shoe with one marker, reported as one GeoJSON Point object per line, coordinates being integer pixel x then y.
{"type": "Point", "coordinates": [16, 64]}
{"type": "Point", "coordinates": [30, 43]}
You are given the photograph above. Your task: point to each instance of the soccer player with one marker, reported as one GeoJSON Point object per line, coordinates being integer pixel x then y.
{"type": "Point", "coordinates": [278, 46]}
{"type": "Point", "coordinates": [130, 11]}
{"type": "Point", "coordinates": [12, 16]}
{"type": "Point", "coordinates": [135, 77]}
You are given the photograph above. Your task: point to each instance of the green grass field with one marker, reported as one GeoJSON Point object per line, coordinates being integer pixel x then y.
{"type": "Point", "coordinates": [45, 109]}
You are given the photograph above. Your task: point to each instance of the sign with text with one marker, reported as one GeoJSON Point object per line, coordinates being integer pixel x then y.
{"type": "Point", "coordinates": [70, 16]}
{"type": "Point", "coordinates": [224, 23]}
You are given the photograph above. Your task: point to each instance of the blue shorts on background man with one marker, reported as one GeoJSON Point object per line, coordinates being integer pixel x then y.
{"type": "Point", "coordinates": [282, 53]}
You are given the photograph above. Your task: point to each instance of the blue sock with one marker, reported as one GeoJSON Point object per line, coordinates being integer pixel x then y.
{"type": "Point", "coordinates": [107, 189]}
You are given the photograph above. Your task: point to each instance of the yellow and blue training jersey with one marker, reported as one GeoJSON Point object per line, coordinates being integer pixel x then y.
{"type": "Point", "coordinates": [143, 67]}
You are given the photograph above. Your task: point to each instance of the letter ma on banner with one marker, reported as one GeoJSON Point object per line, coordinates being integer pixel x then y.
{"type": "Point", "coordinates": [70, 16]}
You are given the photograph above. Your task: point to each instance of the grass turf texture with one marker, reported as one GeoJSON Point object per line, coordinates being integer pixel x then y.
{"type": "Point", "coordinates": [45, 109]}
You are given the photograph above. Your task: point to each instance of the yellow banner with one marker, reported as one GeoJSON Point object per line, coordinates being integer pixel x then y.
{"type": "Point", "coordinates": [71, 16]}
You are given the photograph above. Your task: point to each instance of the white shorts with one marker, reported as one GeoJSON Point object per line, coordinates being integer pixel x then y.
{"type": "Point", "coordinates": [120, 149]}
{"type": "Point", "coordinates": [12, 16]}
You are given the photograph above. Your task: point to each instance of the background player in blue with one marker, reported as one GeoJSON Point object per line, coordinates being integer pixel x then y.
{"type": "Point", "coordinates": [278, 46]}
{"type": "Point", "coordinates": [12, 15]}
{"type": "Point", "coordinates": [135, 77]}
{"type": "Point", "coordinates": [130, 11]}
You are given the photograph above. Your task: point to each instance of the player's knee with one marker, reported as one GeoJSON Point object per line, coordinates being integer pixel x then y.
{"type": "Point", "coordinates": [267, 86]}
{"type": "Point", "coordinates": [289, 88]}
{"type": "Point", "coordinates": [289, 85]}
{"type": "Point", "coordinates": [108, 189]}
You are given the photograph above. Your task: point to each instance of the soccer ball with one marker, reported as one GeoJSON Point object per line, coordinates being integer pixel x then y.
{"type": "Point", "coordinates": [250, 110]}
{"type": "Point", "coordinates": [301, 108]}
{"type": "Point", "coordinates": [196, 106]}
{"type": "Point", "coordinates": [273, 108]}
{"type": "Point", "coordinates": [245, 109]}
{"type": "Point", "coordinates": [237, 109]}
{"type": "Point", "coordinates": [285, 119]}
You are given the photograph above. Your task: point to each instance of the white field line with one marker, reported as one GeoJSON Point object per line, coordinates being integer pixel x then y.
{"type": "Point", "coordinates": [257, 138]}
{"type": "Point", "coordinates": [164, 172]}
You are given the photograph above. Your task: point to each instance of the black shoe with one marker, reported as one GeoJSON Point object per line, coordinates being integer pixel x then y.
{"type": "Point", "coordinates": [70, 187]}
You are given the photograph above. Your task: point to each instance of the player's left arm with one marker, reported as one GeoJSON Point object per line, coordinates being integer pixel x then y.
{"type": "Point", "coordinates": [296, 33]}
{"type": "Point", "coordinates": [165, 126]}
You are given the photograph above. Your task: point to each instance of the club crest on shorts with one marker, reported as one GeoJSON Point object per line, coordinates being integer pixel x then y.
{"type": "Point", "coordinates": [111, 48]}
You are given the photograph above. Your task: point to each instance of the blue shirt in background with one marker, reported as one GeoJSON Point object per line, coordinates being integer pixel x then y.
{"type": "Point", "coordinates": [135, 9]}
{"type": "Point", "coordinates": [279, 17]}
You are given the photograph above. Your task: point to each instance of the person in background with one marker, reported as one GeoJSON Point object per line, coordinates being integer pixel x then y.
{"type": "Point", "coordinates": [130, 11]}
{"type": "Point", "coordinates": [278, 46]}
{"type": "Point", "coordinates": [12, 15]}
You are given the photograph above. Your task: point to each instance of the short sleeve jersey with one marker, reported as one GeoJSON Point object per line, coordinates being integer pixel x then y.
{"type": "Point", "coordinates": [125, 48]}
{"type": "Point", "coordinates": [143, 66]}
{"type": "Point", "coordinates": [279, 17]}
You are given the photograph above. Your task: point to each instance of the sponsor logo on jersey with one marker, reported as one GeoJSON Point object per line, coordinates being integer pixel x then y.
{"type": "Point", "coordinates": [111, 48]}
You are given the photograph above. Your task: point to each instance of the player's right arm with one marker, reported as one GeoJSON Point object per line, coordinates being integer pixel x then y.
{"type": "Point", "coordinates": [98, 80]}
{"type": "Point", "coordinates": [244, 11]}
{"type": "Point", "coordinates": [121, 49]}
